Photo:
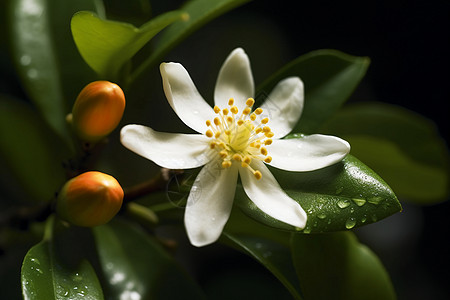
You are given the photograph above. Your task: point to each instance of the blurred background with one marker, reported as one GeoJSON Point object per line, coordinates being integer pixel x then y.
{"type": "Point", "coordinates": [408, 44]}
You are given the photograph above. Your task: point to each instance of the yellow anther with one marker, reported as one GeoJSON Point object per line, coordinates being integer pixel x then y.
{"type": "Point", "coordinates": [240, 122]}
{"type": "Point", "coordinates": [234, 110]}
{"type": "Point", "coordinates": [223, 153]}
{"type": "Point", "coordinates": [268, 142]}
{"type": "Point", "coordinates": [258, 130]}
{"type": "Point", "coordinates": [230, 119]}
{"type": "Point", "coordinates": [253, 117]}
{"type": "Point", "coordinates": [212, 145]}
{"type": "Point", "coordinates": [263, 151]}
{"type": "Point", "coordinates": [244, 164]}
{"type": "Point", "coordinates": [258, 111]}
{"type": "Point", "coordinates": [250, 102]}
{"type": "Point", "coordinates": [216, 121]}
{"type": "Point", "coordinates": [225, 111]}
{"type": "Point", "coordinates": [268, 159]}
{"type": "Point", "coordinates": [227, 131]}
{"type": "Point", "coordinates": [226, 164]}
{"type": "Point", "coordinates": [217, 134]}
{"type": "Point", "coordinates": [265, 120]}
{"type": "Point", "coordinates": [209, 133]}
{"type": "Point", "coordinates": [208, 123]}
{"type": "Point", "coordinates": [266, 129]}
{"type": "Point", "coordinates": [216, 109]}
{"type": "Point", "coordinates": [246, 111]}
{"type": "Point", "coordinates": [257, 175]}
{"type": "Point", "coordinates": [247, 159]}
{"type": "Point", "coordinates": [269, 134]}
{"type": "Point", "coordinates": [237, 157]}
{"type": "Point", "coordinates": [231, 101]}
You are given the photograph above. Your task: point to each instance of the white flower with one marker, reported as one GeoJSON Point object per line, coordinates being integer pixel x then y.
{"type": "Point", "coordinates": [234, 140]}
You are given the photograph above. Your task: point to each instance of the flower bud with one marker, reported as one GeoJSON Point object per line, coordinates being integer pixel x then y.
{"type": "Point", "coordinates": [90, 199]}
{"type": "Point", "coordinates": [98, 110]}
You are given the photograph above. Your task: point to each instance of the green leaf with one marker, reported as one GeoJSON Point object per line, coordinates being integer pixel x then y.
{"type": "Point", "coordinates": [200, 12]}
{"type": "Point", "coordinates": [340, 197]}
{"type": "Point", "coordinates": [336, 266]}
{"type": "Point", "coordinates": [107, 45]}
{"type": "Point", "coordinates": [402, 146]}
{"type": "Point", "coordinates": [51, 271]}
{"type": "Point", "coordinates": [44, 57]}
{"type": "Point", "coordinates": [134, 265]}
{"type": "Point", "coordinates": [329, 77]}
{"type": "Point", "coordinates": [31, 152]}
{"type": "Point", "coordinates": [35, 58]}
{"type": "Point", "coordinates": [268, 246]}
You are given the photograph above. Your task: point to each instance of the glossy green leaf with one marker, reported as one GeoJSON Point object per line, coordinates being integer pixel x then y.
{"type": "Point", "coordinates": [268, 246]}
{"type": "Point", "coordinates": [200, 12]}
{"type": "Point", "coordinates": [136, 267]}
{"type": "Point", "coordinates": [107, 45]}
{"type": "Point", "coordinates": [44, 55]}
{"type": "Point", "coordinates": [340, 197]}
{"type": "Point", "coordinates": [30, 151]}
{"type": "Point", "coordinates": [329, 77]}
{"type": "Point", "coordinates": [336, 266]}
{"type": "Point", "coordinates": [401, 146]}
{"type": "Point", "coordinates": [50, 270]}
{"type": "Point", "coordinates": [35, 58]}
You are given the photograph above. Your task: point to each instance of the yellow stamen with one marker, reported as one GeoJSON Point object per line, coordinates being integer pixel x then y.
{"type": "Point", "coordinates": [208, 123]}
{"type": "Point", "coordinates": [257, 175]}
{"type": "Point", "coordinates": [268, 142]}
{"type": "Point", "coordinates": [209, 133]}
{"type": "Point", "coordinates": [258, 111]}
{"type": "Point", "coordinates": [225, 111]}
{"type": "Point", "coordinates": [216, 121]}
{"type": "Point", "coordinates": [237, 157]}
{"type": "Point", "coordinates": [269, 134]}
{"type": "Point", "coordinates": [246, 111]}
{"type": "Point", "coordinates": [253, 117]}
{"type": "Point", "coordinates": [265, 120]}
{"type": "Point", "coordinates": [223, 153]}
{"type": "Point", "coordinates": [266, 129]}
{"type": "Point", "coordinates": [268, 159]}
{"type": "Point", "coordinates": [234, 110]}
{"type": "Point", "coordinates": [217, 134]}
{"type": "Point", "coordinates": [216, 109]}
{"type": "Point", "coordinates": [231, 101]}
{"type": "Point", "coordinates": [263, 151]}
{"type": "Point", "coordinates": [226, 164]}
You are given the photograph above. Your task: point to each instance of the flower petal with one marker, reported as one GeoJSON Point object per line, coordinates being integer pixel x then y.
{"type": "Point", "coordinates": [308, 153]}
{"type": "Point", "coordinates": [184, 97]}
{"type": "Point", "coordinates": [235, 80]}
{"type": "Point", "coordinates": [284, 105]}
{"type": "Point", "coordinates": [209, 203]}
{"type": "Point", "coordinates": [270, 198]}
{"type": "Point", "coordinates": [168, 150]}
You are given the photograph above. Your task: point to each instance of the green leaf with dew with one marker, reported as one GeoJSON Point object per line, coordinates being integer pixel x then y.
{"type": "Point", "coordinates": [53, 270]}
{"type": "Point", "coordinates": [336, 266]}
{"type": "Point", "coordinates": [343, 196]}
{"type": "Point", "coordinates": [329, 78]}
{"type": "Point", "coordinates": [401, 146]}
{"type": "Point", "coordinates": [107, 45]}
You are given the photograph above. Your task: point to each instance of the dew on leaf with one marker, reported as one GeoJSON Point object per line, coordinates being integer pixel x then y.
{"type": "Point", "coordinates": [375, 200]}
{"type": "Point", "coordinates": [321, 216]}
{"type": "Point", "coordinates": [359, 202]}
{"type": "Point", "coordinates": [350, 223]}
{"type": "Point", "coordinates": [343, 203]}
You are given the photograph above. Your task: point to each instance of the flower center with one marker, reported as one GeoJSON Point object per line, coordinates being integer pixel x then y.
{"type": "Point", "coordinates": [240, 138]}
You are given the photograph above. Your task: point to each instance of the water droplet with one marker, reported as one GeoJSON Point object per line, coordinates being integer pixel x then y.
{"type": "Point", "coordinates": [343, 203]}
{"type": "Point", "coordinates": [315, 224]}
{"type": "Point", "coordinates": [359, 202]}
{"type": "Point", "coordinates": [307, 230]}
{"type": "Point", "coordinates": [352, 210]}
{"type": "Point", "coordinates": [375, 200]}
{"type": "Point", "coordinates": [351, 222]}
{"type": "Point", "coordinates": [32, 73]}
{"type": "Point", "coordinates": [329, 221]}
{"type": "Point", "coordinates": [62, 291]}
{"type": "Point", "coordinates": [374, 218]}
{"type": "Point", "coordinates": [25, 60]}
{"type": "Point", "coordinates": [364, 219]}
{"type": "Point", "coordinates": [321, 216]}
{"type": "Point", "coordinates": [339, 190]}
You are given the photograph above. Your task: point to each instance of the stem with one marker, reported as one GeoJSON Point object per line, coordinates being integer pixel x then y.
{"type": "Point", "coordinates": [157, 183]}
